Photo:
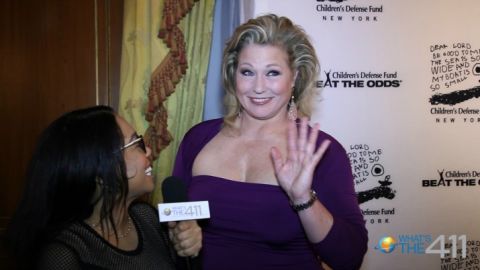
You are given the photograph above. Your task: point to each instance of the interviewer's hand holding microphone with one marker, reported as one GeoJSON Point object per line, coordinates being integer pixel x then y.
{"type": "Point", "coordinates": [182, 215]}
{"type": "Point", "coordinates": [186, 237]}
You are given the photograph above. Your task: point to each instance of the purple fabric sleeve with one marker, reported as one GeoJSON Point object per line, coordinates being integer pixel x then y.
{"type": "Point", "coordinates": [346, 243]}
{"type": "Point", "coordinates": [193, 142]}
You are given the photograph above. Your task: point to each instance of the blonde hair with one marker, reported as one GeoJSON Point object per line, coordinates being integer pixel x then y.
{"type": "Point", "coordinates": [276, 31]}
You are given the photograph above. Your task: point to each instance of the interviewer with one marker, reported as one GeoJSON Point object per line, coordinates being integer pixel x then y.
{"type": "Point", "coordinates": [79, 211]}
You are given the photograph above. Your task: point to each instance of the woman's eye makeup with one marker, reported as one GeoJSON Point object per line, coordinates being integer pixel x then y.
{"type": "Point", "coordinates": [246, 72]}
{"type": "Point", "coordinates": [273, 73]}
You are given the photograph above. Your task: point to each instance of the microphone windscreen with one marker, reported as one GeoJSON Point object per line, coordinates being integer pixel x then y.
{"type": "Point", "coordinates": [174, 190]}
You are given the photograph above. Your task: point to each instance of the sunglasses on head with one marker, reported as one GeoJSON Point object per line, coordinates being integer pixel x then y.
{"type": "Point", "coordinates": [139, 140]}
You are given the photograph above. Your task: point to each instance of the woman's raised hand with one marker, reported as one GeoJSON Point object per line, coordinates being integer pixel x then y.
{"type": "Point", "coordinates": [295, 173]}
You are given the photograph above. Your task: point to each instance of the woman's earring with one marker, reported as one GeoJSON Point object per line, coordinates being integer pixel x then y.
{"type": "Point", "coordinates": [292, 109]}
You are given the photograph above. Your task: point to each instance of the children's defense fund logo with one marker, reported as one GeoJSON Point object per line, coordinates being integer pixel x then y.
{"type": "Point", "coordinates": [359, 79]}
{"type": "Point", "coordinates": [455, 83]}
{"type": "Point", "coordinates": [386, 244]}
{"type": "Point", "coordinates": [372, 182]}
{"type": "Point", "coordinates": [351, 10]}
{"type": "Point", "coordinates": [453, 178]}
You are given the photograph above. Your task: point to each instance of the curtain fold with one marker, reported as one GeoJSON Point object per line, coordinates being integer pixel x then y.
{"type": "Point", "coordinates": [142, 52]}
{"type": "Point", "coordinates": [226, 19]}
{"type": "Point", "coordinates": [164, 61]}
{"type": "Point", "coordinates": [185, 105]}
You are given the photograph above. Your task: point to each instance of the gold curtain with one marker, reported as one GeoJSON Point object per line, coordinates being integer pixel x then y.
{"type": "Point", "coordinates": [166, 46]}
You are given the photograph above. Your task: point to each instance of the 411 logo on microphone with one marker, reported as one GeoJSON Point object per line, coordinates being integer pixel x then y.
{"type": "Point", "coordinates": [183, 211]}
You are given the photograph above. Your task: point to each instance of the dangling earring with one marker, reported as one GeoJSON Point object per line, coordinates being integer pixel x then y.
{"type": "Point", "coordinates": [239, 113]}
{"type": "Point", "coordinates": [292, 109]}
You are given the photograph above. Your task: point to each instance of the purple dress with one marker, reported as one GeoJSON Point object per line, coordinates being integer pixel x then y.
{"type": "Point", "coordinates": [253, 226]}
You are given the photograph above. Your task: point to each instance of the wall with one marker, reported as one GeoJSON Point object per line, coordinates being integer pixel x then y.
{"type": "Point", "coordinates": [56, 56]}
{"type": "Point", "coordinates": [400, 81]}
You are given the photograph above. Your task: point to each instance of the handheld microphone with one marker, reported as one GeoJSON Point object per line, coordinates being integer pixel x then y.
{"type": "Point", "coordinates": [176, 206]}
{"type": "Point", "coordinates": [174, 190]}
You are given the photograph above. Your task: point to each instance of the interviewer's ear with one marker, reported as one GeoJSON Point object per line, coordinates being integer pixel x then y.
{"type": "Point", "coordinates": [97, 195]}
{"type": "Point", "coordinates": [131, 171]}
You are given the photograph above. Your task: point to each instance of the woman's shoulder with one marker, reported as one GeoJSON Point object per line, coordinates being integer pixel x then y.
{"type": "Point", "coordinates": [143, 209]}
{"type": "Point", "coordinates": [201, 133]}
{"type": "Point", "coordinates": [58, 255]}
{"type": "Point", "coordinates": [205, 127]}
{"type": "Point", "coordinates": [68, 247]}
{"type": "Point", "coordinates": [145, 216]}
{"type": "Point", "coordinates": [334, 143]}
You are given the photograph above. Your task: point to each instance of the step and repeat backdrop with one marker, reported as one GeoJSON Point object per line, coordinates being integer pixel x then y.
{"type": "Point", "coordinates": [400, 88]}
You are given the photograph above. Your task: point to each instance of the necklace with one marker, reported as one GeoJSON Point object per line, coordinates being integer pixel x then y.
{"type": "Point", "coordinates": [120, 235]}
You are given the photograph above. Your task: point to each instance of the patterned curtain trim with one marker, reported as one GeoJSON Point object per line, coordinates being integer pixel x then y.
{"type": "Point", "coordinates": [167, 75]}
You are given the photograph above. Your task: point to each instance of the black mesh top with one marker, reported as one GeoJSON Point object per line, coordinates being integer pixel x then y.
{"type": "Point", "coordinates": [80, 247]}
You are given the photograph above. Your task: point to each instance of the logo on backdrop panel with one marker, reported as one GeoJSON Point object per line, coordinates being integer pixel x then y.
{"type": "Point", "coordinates": [455, 83]}
{"type": "Point", "coordinates": [453, 179]}
{"type": "Point", "coordinates": [454, 251]}
{"type": "Point", "coordinates": [372, 182]}
{"type": "Point", "coordinates": [359, 79]}
{"type": "Point", "coordinates": [351, 10]}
